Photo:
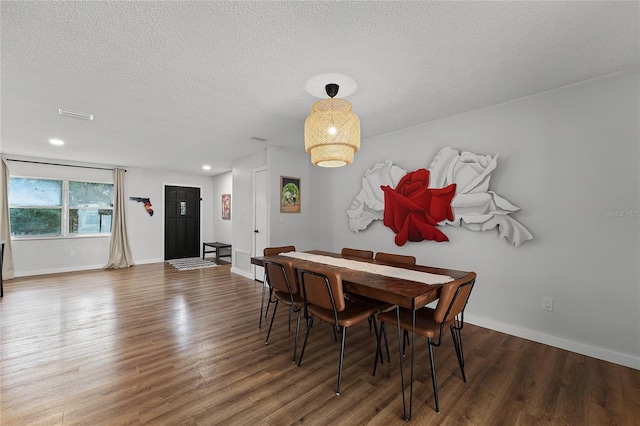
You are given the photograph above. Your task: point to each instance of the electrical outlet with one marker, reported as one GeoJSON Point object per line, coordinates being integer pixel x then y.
{"type": "Point", "coordinates": [547, 304]}
{"type": "Point", "coordinates": [73, 253]}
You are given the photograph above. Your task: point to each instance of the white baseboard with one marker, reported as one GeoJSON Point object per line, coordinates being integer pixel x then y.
{"type": "Point", "coordinates": [147, 261]}
{"type": "Point", "coordinates": [246, 274]}
{"type": "Point", "coordinates": [569, 345]}
{"type": "Point", "coordinates": [33, 272]}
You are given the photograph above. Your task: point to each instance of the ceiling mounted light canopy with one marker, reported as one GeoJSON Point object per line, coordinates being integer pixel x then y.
{"type": "Point", "coordinates": [332, 131]}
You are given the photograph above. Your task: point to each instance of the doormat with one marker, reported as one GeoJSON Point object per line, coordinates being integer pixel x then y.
{"type": "Point", "coordinates": [189, 263]}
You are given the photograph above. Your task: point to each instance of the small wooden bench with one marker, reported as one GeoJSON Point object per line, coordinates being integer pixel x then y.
{"type": "Point", "coordinates": [217, 249]}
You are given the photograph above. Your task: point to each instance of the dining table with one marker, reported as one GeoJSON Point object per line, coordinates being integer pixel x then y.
{"type": "Point", "coordinates": [397, 290]}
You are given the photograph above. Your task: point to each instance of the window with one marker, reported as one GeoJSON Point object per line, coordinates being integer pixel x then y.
{"type": "Point", "coordinates": [90, 207]}
{"type": "Point", "coordinates": [35, 206]}
{"type": "Point", "coordinates": [47, 207]}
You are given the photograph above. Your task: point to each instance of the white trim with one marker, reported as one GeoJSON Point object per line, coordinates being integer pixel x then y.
{"type": "Point", "coordinates": [246, 274]}
{"type": "Point", "coordinates": [626, 360]}
{"type": "Point", "coordinates": [253, 218]}
{"type": "Point", "coordinates": [33, 272]}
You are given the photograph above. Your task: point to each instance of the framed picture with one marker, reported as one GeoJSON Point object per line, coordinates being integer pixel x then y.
{"type": "Point", "coordinates": [289, 194]}
{"type": "Point", "coordinates": [226, 206]}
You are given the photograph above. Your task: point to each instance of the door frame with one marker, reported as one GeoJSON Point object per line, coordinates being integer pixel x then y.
{"type": "Point", "coordinates": [254, 216]}
{"type": "Point", "coordinates": [164, 188]}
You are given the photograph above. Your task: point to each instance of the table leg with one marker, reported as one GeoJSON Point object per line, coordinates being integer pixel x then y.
{"type": "Point", "coordinates": [404, 405]}
{"type": "Point", "coordinates": [400, 351]}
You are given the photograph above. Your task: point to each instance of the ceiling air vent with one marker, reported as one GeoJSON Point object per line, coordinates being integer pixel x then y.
{"type": "Point", "coordinates": [75, 114]}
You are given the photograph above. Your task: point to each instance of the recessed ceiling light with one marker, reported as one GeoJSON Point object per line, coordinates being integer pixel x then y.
{"type": "Point", "coordinates": [205, 167]}
{"type": "Point", "coordinates": [75, 114]}
{"type": "Point", "coordinates": [56, 142]}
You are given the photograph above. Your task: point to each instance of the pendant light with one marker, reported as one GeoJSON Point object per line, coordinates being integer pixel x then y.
{"type": "Point", "coordinates": [332, 131]}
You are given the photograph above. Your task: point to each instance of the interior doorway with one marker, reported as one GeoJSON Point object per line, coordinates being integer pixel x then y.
{"type": "Point", "coordinates": [260, 228]}
{"type": "Point", "coordinates": [181, 222]}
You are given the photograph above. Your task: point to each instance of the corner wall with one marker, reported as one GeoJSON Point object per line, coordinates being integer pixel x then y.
{"type": "Point", "coordinates": [146, 233]}
{"type": "Point", "coordinates": [289, 228]}
{"type": "Point", "coordinates": [222, 184]}
{"type": "Point", "coordinates": [568, 158]}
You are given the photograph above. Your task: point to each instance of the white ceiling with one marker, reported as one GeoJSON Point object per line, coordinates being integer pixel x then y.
{"type": "Point", "coordinates": [175, 85]}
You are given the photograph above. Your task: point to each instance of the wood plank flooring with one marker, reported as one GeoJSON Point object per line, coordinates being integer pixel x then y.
{"type": "Point", "coordinates": [153, 345]}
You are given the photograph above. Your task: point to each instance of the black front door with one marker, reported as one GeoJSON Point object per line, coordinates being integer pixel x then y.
{"type": "Point", "coordinates": [181, 222]}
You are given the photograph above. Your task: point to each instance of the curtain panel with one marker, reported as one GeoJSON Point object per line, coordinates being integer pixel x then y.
{"type": "Point", "coordinates": [5, 225]}
{"type": "Point", "coordinates": [119, 250]}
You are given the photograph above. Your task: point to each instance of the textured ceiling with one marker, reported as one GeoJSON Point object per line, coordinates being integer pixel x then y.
{"type": "Point", "coordinates": [175, 85]}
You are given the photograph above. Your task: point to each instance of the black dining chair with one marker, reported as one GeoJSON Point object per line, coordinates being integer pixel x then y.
{"type": "Point", "coordinates": [324, 299]}
{"type": "Point", "coordinates": [431, 323]}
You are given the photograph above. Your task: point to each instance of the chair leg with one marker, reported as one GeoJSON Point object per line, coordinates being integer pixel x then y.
{"type": "Point", "coordinates": [386, 343]}
{"type": "Point", "coordinates": [378, 337]}
{"type": "Point", "coordinates": [290, 308]}
{"type": "Point", "coordinates": [405, 341]}
{"type": "Point", "coordinates": [378, 349]}
{"type": "Point", "coordinates": [372, 319]}
{"type": "Point", "coordinates": [457, 343]}
{"type": "Point", "coordinates": [262, 305]}
{"type": "Point", "coordinates": [306, 337]}
{"type": "Point", "coordinates": [269, 302]}
{"type": "Point", "coordinates": [295, 344]}
{"type": "Point", "coordinates": [344, 335]}
{"type": "Point", "coordinates": [275, 308]}
{"type": "Point", "coordinates": [433, 376]}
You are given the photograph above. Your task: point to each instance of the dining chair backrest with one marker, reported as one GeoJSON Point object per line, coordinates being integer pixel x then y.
{"type": "Point", "coordinates": [281, 276]}
{"type": "Point", "coordinates": [322, 288]}
{"type": "Point", "coordinates": [395, 258]}
{"type": "Point", "coordinates": [363, 254]}
{"type": "Point", "coordinates": [272, 251]}
{"type": "Point", "coordinates": [453, 299]}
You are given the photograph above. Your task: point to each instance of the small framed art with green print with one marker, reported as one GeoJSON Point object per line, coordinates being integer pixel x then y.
{"type": "Point", "coordinates": [289, 194]}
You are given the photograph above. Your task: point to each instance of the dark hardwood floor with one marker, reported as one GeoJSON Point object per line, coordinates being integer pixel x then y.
{"type": "Point", "coordinates": [153, 345]}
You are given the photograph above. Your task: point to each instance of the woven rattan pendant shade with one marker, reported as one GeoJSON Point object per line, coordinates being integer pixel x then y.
{"type": "Point", "coordinates": [332, 133]}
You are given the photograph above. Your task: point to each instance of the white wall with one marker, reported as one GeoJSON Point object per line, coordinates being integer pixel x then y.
{"type": "Point", "coordinates": [222, 184]}
{"type": "Point", "coordinates": [288, 228]}
{"type": "Point", "coordinates": [46, 255]}
{"type": "Point", "coordinates": [284, 228]}
{"type": "Point", "coordinates": [566, 157]}
{"type": "Point", "coordinates": [146, 233]}
{"type": "Point", "coordinates": [242, 225]}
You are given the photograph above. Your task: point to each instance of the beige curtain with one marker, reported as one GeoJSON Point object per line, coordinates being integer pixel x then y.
{"type": "Point", "coordinates": [5, 226]}
{"type": "Point", "coordinates": [119, 252]}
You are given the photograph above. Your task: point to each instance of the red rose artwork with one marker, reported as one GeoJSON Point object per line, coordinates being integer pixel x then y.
{"type": "Point", "coordinates": [412, 210]}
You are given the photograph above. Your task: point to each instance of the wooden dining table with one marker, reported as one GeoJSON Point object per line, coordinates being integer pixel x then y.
{"type": "Point", "coordinates": [397, 291]}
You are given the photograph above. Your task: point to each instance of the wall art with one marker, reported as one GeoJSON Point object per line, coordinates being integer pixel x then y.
{"type": "Point", "coordinates": [289, 194]}
{"type": "Point", "coordinates": [147, 203]}
{"type": "Point", "coordinates": [226, 206]}
{"type": "Point", "coordinates": [453, 191]}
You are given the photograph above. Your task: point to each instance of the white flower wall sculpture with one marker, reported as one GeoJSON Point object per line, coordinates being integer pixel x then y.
{"type": "Point", "coordinates": [369, 203]}
{"type": "Point", "coordinates": [474, 206]}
